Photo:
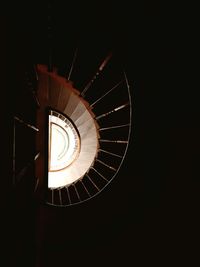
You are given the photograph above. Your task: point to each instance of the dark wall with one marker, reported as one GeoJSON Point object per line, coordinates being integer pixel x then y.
{"type": "Point", "coordinates": [17, 202]}
{"type": "Point", "coordinates": [150, 209]}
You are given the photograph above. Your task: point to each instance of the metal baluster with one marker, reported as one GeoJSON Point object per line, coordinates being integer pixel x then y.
{"type": "Point", "coordinates": [106, 93]}
{"type": "Point", "coordinates": [85, 188]}
{"type": "Point", "coordinates": [93, 182]}
{"type": "Point", "coordinates": [99, 174]}
{"type": "Point", "coordinates": [26, 124]}
{"type": "Point", "coordinates": [102, 66]}
{"type": "Point", "coordinates": [110, 153]}
{"type": "Point", "coordinates": [110, 167]}
{"type": "Point", "coordinates": [114, 127]}
{"type": "Point", "coordinates": [72, 66]}
{"type": "Point", "coordinates": [114, 110]}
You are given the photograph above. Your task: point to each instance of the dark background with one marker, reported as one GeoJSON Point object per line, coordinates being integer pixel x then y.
{"type": "Point", "coordinates": [150, 210]}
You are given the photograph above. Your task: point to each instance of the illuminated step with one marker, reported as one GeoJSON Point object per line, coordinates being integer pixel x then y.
{"type": "Point", "coordinates": [73, 133]}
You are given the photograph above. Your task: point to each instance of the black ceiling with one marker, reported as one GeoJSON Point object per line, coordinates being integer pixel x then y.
{"type": "Point", "coordinates": [138, 214]}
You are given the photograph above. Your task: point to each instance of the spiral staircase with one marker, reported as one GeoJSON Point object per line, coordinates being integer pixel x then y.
{"type": "Point", "coordinates": [82, 129]}
{"type": "Point", "coordinates": [82, 135]}
{"type": "Point", "coordinates": [87, 130]}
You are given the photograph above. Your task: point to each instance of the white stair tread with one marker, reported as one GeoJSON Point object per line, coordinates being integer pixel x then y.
{"type": "Point", "coordinates": [71, 105]}
{"type": "Point", "coordinates": [65, 99]}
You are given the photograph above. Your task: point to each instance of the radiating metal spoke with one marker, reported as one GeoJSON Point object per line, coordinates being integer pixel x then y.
{"type": "Point", "coordinates": [85, 188]}
{"type": "Point", "coordinates": [36, 185]}
{"type": "Point", "coordinates": [110, 167]}
{"type": "Point", "coordinates": [114, 127]}
{"type": "Point", "coordinates": [99, 174]}
{"type": "Point", "coordinates": [24, 170]}
{"type": "Point", "coordinates": [35, 98]}
{"type": "Point", "coordinates": [101, 67]}
{"type": "Point", "coordinates": [93, 182]}
{"type": "Point", "coordinates": [60, 196]}
{"type": "Point", "coordinates": [114, 87]}
{"type": "Point", "coordinates": [37, 156]}
{"type": "Point", "coordinates": [77, 192]}
{"type": "Point", "coordinates": [113, 141]}
{"type": "Point", "coordinates": [72, 66]}
{"type": "Point", "coordinates": [68, 194]}
{"type": "Point", "coordinates": [110, 153]}
{"type": "Point", "coordinates": [104, 63]}
{"type": "Point", "coordinates": [114, 110]}
{"type": "Point", "coordinates": [26, 124]}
